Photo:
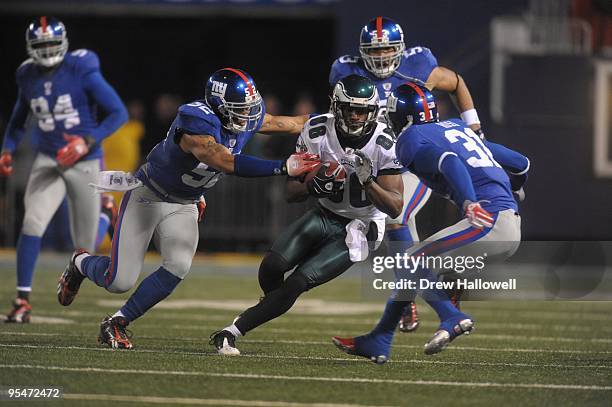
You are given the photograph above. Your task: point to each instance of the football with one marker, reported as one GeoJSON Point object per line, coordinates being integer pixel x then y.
{"type": "Point", "coordinates": [332, 167]}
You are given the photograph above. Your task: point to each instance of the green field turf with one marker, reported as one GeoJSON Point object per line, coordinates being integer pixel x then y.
{"type": "Point", "coordinates": [527, 353]}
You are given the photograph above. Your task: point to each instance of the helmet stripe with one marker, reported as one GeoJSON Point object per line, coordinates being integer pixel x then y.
{"type": "Point", "coordinates": [379, 27]}
{"type": "Point", "coordinates": [43, 23]}
{"type": "Point", "coordinates": [419, 92]}
{"type": "Point", "coordinates": [243, 77]}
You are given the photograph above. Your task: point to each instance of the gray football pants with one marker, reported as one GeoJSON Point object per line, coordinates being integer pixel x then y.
{"type": "Point", "coordinates": [48, 184]}
{"type": "Point", "coordinates": [142, 217]}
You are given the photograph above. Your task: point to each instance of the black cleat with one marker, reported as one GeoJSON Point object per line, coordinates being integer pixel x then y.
{"type": "Point", "coordinates": [21, 312]}
{"type": "Point", "coordinates": [225, 343]}
{"type": "Point", "coordinates": [70, 281]}
{"type": "Point", "coordinates": [114, 334]}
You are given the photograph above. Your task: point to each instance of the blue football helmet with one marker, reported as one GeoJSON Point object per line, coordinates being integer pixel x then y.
{"type": "Point", "coordinates": [232, 95]}
{"type": "Point", "coordinates": [46, 41]}
{"type": "Point", "coordinates": [381, 33]}
{"type": "Point", "coordinates": [410, 104]}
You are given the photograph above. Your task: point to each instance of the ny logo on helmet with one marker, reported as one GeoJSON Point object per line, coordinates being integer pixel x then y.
{"type": "Point", "coordinates": [218, 88]}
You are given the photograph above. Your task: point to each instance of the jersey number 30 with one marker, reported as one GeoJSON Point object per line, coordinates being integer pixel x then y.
{"type": "Point", "coordinates": [473, 144]}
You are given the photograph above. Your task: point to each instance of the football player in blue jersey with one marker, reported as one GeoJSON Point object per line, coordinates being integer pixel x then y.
{"type": "Point", "coordinates": [203, 143]}
{"type": "Point", "coordinates": [62, 91]}
{"type": "Point", "coordinates": [385, 60]}
{"type": "Point", "coordinates": [478, 176]}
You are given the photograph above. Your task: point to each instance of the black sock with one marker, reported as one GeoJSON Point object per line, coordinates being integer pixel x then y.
{"type": "Point", "coordinates": [273, 305]}
{"type": "Point", "coordinates": [272, 272]}
{"type": "Point", "coordinates": [23, 295]}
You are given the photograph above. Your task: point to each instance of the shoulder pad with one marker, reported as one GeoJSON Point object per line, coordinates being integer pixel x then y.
{"type": "Point", "coordinates": [197, 118]}
{"type": "Point", "coordinates": [342, 67]}
{"type": "Point", "coordinates": [23, 68]}
{"type": "Point", "coordinates": [85, 61]}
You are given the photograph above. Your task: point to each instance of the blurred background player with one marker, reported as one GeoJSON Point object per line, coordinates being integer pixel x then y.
{"type": "Point", "coordinates": [61, 91]}
{"type": "Point", "coordinates": [385, 60]}
{"type": "Point", "coordinates": [317, 245]}
{"type": "Point", "coordinates": [202, 144]}
{"type": "Point", "coordinates": [479, 177]}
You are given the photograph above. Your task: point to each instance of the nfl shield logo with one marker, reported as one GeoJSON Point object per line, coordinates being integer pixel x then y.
{"type": "Point", "coordinates": [387, 86]}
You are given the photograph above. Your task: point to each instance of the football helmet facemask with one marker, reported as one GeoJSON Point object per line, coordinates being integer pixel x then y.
{"type": "Point", "coordinates": [381, 45]}
{"type": "Point", "coordinates": [46, 41]}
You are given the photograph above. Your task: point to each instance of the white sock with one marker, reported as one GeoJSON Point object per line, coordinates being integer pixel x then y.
{"type": "Point", "coordinates": [78, 259]}
{"type": "Point", "coordinates": [118, 314]}
{"type": "Point", "coordinates": [233, 330]}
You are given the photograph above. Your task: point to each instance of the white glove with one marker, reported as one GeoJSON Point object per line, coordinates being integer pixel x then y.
{"type": "Point", "coordinates": [363, 168]}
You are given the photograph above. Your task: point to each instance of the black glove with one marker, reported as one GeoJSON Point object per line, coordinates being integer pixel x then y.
{"type": "Point", "coordinates": [324, 184]}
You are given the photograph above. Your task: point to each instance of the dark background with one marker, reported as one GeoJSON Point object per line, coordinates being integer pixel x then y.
{"type": "Point", "coordinates": [153, 48]}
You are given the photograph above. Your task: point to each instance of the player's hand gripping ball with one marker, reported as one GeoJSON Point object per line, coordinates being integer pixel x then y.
{"type": "Point", "coordinates": [326, 179]}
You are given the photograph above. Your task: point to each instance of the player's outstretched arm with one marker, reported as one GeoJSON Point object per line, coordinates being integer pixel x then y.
{"type": "Point", "coordinates": [447, 80]}
{"type": "Point", "coordinates": [515, 164]}
{"type": "Point", "coordinates": [291, 125]}
{"type": "Point", "coordinates": [206, 149]}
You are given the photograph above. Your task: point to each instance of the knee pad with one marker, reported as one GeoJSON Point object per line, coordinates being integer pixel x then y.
{"type": "Point", "coordinates": [178, 268]}
{"type": "Point", "coordinates": [32, 226]}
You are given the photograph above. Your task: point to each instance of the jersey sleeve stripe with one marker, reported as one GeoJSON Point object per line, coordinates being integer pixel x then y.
{"type": "Point", "coordinates": [525, 170]}
{"type": "Point", "coordinates": [442, 157]}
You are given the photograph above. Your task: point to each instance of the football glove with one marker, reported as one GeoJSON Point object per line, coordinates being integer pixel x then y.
{"type": "Point", "coordinates": [363, 168]}
{"type": "Point", "coordinates": [300, 163]}
{"type": "Point", "coordinates": [72, 152]}
{"type": "Point", "coordinates": [476, 216]}
{"type": "Point", "coordinates": [6, 167]}
{"type": "Point", "coordinates": [201, 208]}
{"type": "Point", "coordinates": [324, 184]}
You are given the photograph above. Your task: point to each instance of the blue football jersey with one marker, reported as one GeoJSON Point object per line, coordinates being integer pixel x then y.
{"type": "Point", "coordinates": [180, 174]}
{"type": "Point", "coordinates": [490, 180]}
{"type": "Point", "coordinates": [417, 64]}
{"type": "Point", "coordinates": [64, 100]}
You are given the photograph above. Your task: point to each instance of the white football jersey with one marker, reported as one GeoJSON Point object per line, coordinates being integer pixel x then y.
{"type": "Point", "coordinates": [319, 137]}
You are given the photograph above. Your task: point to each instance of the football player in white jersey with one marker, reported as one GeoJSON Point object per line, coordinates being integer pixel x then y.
{"type": "Point", "coordinates": [354, 198]}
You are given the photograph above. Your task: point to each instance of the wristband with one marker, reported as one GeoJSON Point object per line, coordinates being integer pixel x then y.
{"type": "Point", "coordinates": [470, 117]}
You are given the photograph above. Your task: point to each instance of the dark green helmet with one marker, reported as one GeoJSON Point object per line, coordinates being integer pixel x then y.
{"type": "Point", "coordinates": [355, 105]}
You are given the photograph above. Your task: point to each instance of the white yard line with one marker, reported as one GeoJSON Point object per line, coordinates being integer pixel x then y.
{"type": "Point", "coordinates": [201, 402]}
{"type": "Point", "coordinates": [348, 380]}
{"type": "Point", "coordinates": [319, 358]}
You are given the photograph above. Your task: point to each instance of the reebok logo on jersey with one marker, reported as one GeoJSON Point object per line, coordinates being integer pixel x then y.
{"type": "Point", "coordinates": [218, 88]}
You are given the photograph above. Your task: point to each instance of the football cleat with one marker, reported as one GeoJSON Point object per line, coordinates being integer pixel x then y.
{"type": "Point", "coordinates": [70, 281]}
{"type": "Point", "coordinates": [367, 346]}
{"type": "Point", "coordinates": [114, 334]}
{"type": "Point", "coordinates": [225, 343]}
{"type": "Point", "coordinates": [447, 332]}
{"type": "Point", "coordinates": [409, 321]}
{"type": "Point", "coordinates": [21, 312]}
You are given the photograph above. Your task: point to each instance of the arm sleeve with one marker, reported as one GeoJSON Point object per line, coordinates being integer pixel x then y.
{"type": "Point", "coordinates": [510, 160]}
{"type": "Point", "coordinates": [515, 164]}
{"type": "Point", "coordinates": [432, 159]}
{"type": "Point", "coordinates": [105, 97]}
{"type": "Point", "coordinates": [15, 128]}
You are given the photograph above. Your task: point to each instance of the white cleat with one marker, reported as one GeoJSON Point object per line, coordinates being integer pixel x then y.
{"type": "Point", "coordinates": [442, 337]}
{"type": "Point", "coordinates": [225, 343]}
